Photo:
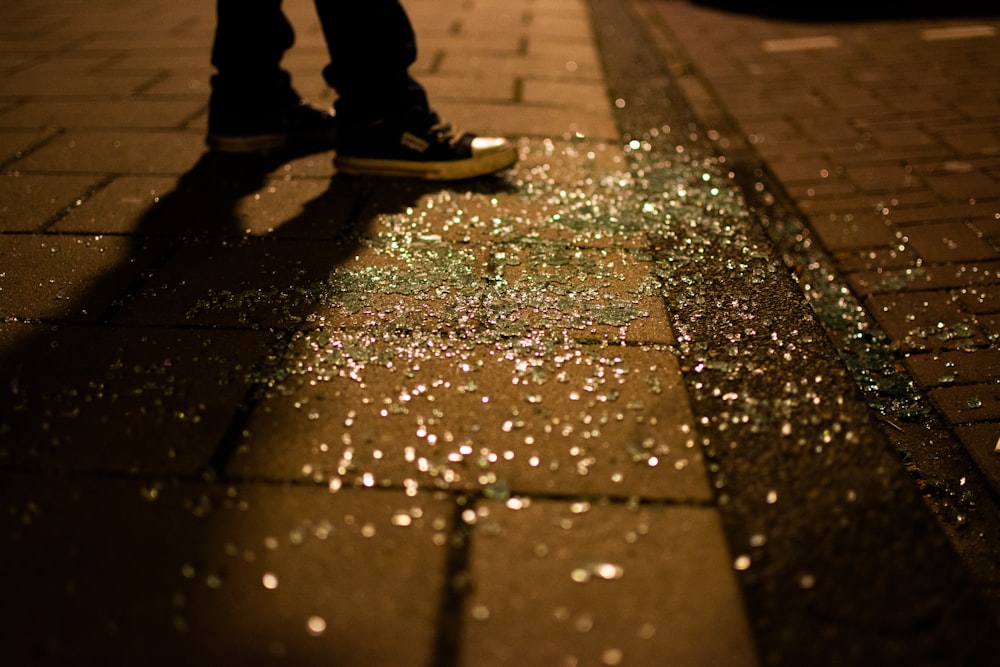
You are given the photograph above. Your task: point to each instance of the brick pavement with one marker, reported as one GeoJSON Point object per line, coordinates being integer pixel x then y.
{"type": "Point", "coordinates": [255, 411]}
{"type": "Point", "coordinates": [884, 133]}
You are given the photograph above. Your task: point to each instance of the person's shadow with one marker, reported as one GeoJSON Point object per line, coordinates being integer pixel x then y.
{"type": "Point", "coordinates": [163, 379]}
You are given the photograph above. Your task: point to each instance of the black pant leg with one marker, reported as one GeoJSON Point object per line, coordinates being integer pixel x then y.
{"type": "Point", "coordinates": [251, 36]}
{"type": "Point", "coordinates": [372, 46]}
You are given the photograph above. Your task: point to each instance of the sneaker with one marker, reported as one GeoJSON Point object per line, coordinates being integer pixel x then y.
{"type": "Point", "coordinates": [296, 125]}
{"type": "Point", "coordinates": [437, 153]}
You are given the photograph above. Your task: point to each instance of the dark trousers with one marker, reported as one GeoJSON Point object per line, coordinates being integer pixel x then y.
{"type": "Point", "coordinates": [371, 45]}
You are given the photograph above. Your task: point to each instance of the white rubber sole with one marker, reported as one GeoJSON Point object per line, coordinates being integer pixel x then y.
{"type": "Point", "coordinates": [260, 143]}
{"type": "Point", "coordinates": [253, 144]}
{"type": "Point", "coordinates": [449, 170]}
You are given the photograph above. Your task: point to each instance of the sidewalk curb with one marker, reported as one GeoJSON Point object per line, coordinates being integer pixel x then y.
{"type": "Point", "coordinates": [853, 565]}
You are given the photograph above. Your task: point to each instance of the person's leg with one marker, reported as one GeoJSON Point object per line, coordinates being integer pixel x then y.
{"type": "Point", "coordinates": [251, 37]}
{"type": "Point", "coordinates": [387, 126]}
{"type": "Point", "coordinates": [372, 47]}
{"type": "Point", "coordinates": [253, 106]}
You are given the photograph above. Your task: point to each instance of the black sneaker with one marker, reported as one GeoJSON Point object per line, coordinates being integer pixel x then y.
{"type": "Point", "coordinates": [252, 130]}
{"type": "Point", "coordinates": [437, 152]}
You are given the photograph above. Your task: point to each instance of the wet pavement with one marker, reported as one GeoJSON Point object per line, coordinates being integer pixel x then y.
{"type": "Point", "coordinates": [580, 413]}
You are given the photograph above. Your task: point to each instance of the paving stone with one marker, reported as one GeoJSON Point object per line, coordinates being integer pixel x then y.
{"type": "Point", "coordinates": [939, 213]}
{"type": "Point", "coordinates": [622, 297]}
{"type": "Point", "coordinates": [968, 403]}
{"type": "Point", "coordinates": [193, 82]}
{"type": "Point", "coordinates": [562, 583]}
{"type": "Point", "coordinates": [28, 84]}
{"type": "Point", "coordinates": [290, 280]}
{"type": "Point", "coordinates": [131, 113]}
{"type": "Point", "coordinates": [955, 367]}
{"type": "Point", "coordinates": [118, 207]}
{"type": "Point", "coordinates": [800, 169]}
{"type": "Point", "coordinates": [130, 571]}
{"type": "Point", "coordinates": [124, 401]}
{"type": "Point", "coordinates": [972, 141]}
{"type": "Point", "coordinates": [962, 187]}
{"type": "Point", "coordinates": [578, 56]}
{"type": "Point", "coordinates": [872, 260]}
{"type": "Point", "coordinates": [949, 242]}
{"type": "Point", "coordinates": [66, 277]}
{"type": "Point", "coordinates": [510, 20]}
{"type": "Point", "coordinates": [556, 7]}
{"type": "Point", "coordinates": [982, 442]}
{"type": "Point", "coordinates": [542, 122]}
{"type": "Point", "coordinates": [493, 89]}
{"type": "Point", "coordinates": [882, 178]}
{"type": "Point", "coordinates": [948, 164]}
{"type": "Point", "coordinates": [138, 39]}
{"type": "Point", "coordinates": [924, 320]}
{"type": "Point", "coordinates": [212, 200]}
{"type": "Point", "coordinates": [898, 134]}
{"type": "Point", "coordinates": [112, 152]}
{"type": "Point", "coordinates": [828, 130]}
{"type": "Point", "coordinates": [905, 99]}
{"type": "Point", "coordinates": [549, 165]}
{"type": "Point", "coordinates": [158, 65]}
{"type": "Point", "coordinates": [561, 26]}
{"type": "Point", "coordinates": [543, 66]}
{"type": "Point", "coordinates": [840, 232]}
{"type": "Point", "coordinates": [321, 208]}
{"type": "Point", "coordinates": [611, 421]}
{"type": "Point", "coordinates": [822, 189]}
{"type": "Point", "coordinates": [463, 40]}
{"type": "Point", "coordinates": [928, 277]}
{"type": "Point", "coordinates": [14, 144]}
{"type": "Point", "coordinates": [567, 191]}
{"type": "Point", "coordinates": [590, 222]}
{"type": "Point", "coordinates": [31, 201]}
{"type": "Point", "coordinates": [308, 166]}
{"type": "Point", "coordinates": [48, 64]}
{"type": "Point", "coordinates": [586, 96]}
{"type": "Point", "coordinates": [12, 62]}
{"type": "Point", "coordinates": [980, 298]}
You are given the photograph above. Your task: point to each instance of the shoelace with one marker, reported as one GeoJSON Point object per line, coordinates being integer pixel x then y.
{"type": "Point", "coordinates": [444, 131]}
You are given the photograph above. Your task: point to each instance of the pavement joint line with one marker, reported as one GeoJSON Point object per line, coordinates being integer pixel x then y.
{"type": "Point", "coordinates": [47, 226]}
{"type": "Point", "coordinates": [6, 167]}
{"type": "Point", "coordinates": [451, 619]}
{"type": "Point", "coordinates": [194, 116]}
{"type": "Point", "coordinates": [142, 88]}
{"type": "Point", "coordinates": [463, 497]}
{"type": "Point", "coordinates": [436, 61]}
{"type": "Point", "coordinates": [134, 286]}
{"type": "Point", "coordinates": [229, 443]}
{"type": "Point", "coordinates": [290, 330]}
{"type": "Point", "coordinates": [472, 495]}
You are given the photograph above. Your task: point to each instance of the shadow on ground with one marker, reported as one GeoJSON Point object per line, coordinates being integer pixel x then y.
{"type": "Point", "coordinates": [856, 10]}
{"type": "Point", "coordinates": [151, 369]}
{"type": "Point", "coordinates": [119, 411]}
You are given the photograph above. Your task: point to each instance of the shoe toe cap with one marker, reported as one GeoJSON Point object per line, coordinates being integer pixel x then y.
{"type": "Point", "coordinates": [486, 145]}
